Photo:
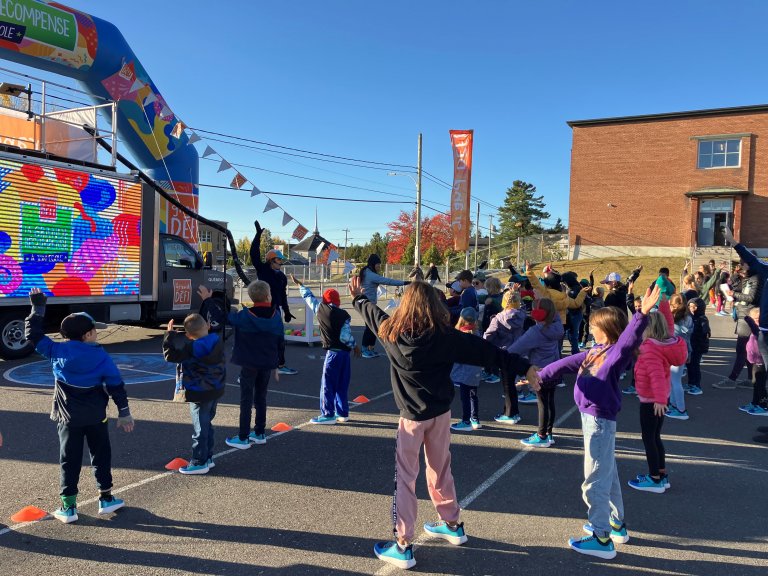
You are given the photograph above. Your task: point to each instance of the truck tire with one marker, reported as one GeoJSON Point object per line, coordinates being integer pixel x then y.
{"type": "Point", "coordinates": [13, 344]}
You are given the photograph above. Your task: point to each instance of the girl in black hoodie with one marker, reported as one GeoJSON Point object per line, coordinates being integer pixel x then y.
{"type": "Point", "coordinates": [422, 348]}
{"type": "Point", "coordinates": [699, 344]}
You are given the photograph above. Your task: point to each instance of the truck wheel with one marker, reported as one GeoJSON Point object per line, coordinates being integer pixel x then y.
{"type": "Point", "coordinates": [13, 344]}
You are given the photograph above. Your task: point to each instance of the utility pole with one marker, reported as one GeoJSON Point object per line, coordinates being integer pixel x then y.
{"type": "Point", "coordinates": [490, 230]}
{"type": "Point", "coordinates": [346, 235]}
{"type": "Point", "coordinates": [477, 232]}
{"type": "Point", "coordinates": [417, 249]}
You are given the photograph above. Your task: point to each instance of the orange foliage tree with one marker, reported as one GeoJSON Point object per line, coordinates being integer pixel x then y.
{"type": "Point", "coordinates": [434, 231]}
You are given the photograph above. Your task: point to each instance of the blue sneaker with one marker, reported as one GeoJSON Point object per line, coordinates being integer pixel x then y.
{"type": "Point", "coordinates": [323, 419]}
{"type": "Point", "coordinates": [551, 439]}
{"type": "Point", "coordinates": [287, 371]}
{"type": "Point", "coordinates": [66, 515]}
{"type": "Point", "coordinates": [391, 553]}
{"type": "Point", "coordinates": [665, 481]}
{"type": "Point", "coordinates": [618, 533]}
{"type": "Point", "coordinates": [536, 440]}
{"type": "Point", "coordinates": [483, 375]}
{"type": "Point", "coordinates": [254, 438]}
{"type": "Point", "coordinates": [629, 390]}
{"type": "Point", "coordinates": [475, 424]}
{"type": "Point", "coordinates": [369, 354]}
{"type": "Point", "coordinates": [211, 463]}
{"type": "Point", "coordinates": [757, 411]}
{"type": "Point", "coordinates": [440, 529]}
{"type": "Point", "coordinates": [673, 412]}
{"type": "Point", "coordinates": [502, 419]}
{"type": "Point", "coordinates": [527, 398]}
{"type": "Point", "coordinates": [109, 504]}
{"type": "Point", "coordinates": [746, 407]}
{"type": "Point", "coordinates": [592, 546]}
{"type": "Point", "coordinates": [195, 469]}
{"type": "Point", "coordinates": [462, 426]}
{"type": "Point", "coordinates": [645, 483]}
{"type": "Point", "coordinates": [492, 379]}
{"type": "Point", "coordinates": [695, 390]}
{"type": "Point", "coordinates": [235, 442]}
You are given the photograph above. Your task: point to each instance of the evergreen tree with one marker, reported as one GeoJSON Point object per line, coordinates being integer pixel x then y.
{"type": "Point", "coordinates": [521, 215]}
{"type": "Point", "coordinates": [431, 255]}
{"type": "Point", "coordinates": [558, 228]}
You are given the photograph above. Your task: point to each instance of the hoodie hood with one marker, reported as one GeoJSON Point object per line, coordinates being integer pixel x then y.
{"type": "Point", "coordinates": [701, 307]}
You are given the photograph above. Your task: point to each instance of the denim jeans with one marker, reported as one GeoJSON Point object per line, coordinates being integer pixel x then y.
{"type": "Point", "coordinates": [71, 440]}
{"type": "Point", "coordinates": [203, 414]}
{"type": "Point", "coordinates": [253, 395]}
{"type": "Point", "coordinates": [601, 490]}
{"type": "Point", "coordinates": [575, 317]}
{"type": "Point", "coordinates": [676, 394]}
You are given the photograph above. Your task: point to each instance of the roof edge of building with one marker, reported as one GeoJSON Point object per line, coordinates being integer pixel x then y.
{"type": "Point", "coordinates": [670, 115]}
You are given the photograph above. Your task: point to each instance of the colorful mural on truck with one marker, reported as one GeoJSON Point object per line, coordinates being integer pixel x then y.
{"type": "Point", "coordinates": [54, 37]}
{"type": "Point", "coordinates": [69, 233]}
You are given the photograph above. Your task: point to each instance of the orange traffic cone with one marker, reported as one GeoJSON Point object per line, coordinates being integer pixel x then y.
{"type": "Point", "coordinates": [361, 399]}
{"type": "Point", "coordinates": [29, 514]}
{"type": "Point", "coordinates": [281, 427]}
{"type": "Point", "coordinates": [176, 463]}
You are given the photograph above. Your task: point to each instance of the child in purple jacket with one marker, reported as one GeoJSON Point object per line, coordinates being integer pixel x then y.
{"type": "Point", "coordinates": [598, 397]}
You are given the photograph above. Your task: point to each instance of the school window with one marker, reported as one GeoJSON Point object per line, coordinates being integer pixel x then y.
{"type": "Point", "coordinates": [205, 236]}
{"type": "Point", "coordinates": [719, 153]}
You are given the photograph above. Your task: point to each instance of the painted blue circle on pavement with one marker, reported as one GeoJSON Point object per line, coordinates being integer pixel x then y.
{"type": "Point", "coordinates": [135, 368]}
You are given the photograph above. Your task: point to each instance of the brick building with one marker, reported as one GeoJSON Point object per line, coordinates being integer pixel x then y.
{"type": "Point", "coordinates": [666, 184]}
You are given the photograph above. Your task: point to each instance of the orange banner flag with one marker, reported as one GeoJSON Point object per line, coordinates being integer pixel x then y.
{"type": "Point", "coordinates": [461, 142]}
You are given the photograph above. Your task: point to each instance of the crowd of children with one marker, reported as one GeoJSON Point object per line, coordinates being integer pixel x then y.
{"type": "Point", "coordinates": [481, 333]}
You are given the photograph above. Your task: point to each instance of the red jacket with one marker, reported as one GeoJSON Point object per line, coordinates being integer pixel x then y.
{"type": "Point", "coordinates": [652, 380]}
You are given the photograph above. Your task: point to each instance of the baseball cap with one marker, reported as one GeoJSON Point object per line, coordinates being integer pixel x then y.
{"type": "Point", "coordinates": [480, 276]}
{"type": "Point", "coordinates": [469, 314]}
{"type": "Point", "coordinates": [77, 325]}
{"type": "Point", "coordinates": [274, 254]}
{"type": "Point", "coordinates": [612, 277]}
{"type": "Point", "coordinates": [455, 286]}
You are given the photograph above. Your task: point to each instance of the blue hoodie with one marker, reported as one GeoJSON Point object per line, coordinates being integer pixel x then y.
{"type": "Point", "coordinates": [258, 334]}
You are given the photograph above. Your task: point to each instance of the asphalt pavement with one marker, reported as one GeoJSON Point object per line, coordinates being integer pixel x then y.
{"type": "Point", "coordinates": [315, 499]}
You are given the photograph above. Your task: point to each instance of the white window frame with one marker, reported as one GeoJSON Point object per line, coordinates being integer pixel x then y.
{"type": "Point", "coordinates": [711, 154]}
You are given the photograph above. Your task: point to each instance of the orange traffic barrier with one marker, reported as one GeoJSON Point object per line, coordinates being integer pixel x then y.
{"type": "Point", "coordinates": [361, 399]}
{"type": "Point", "coordinates": [281, 427]}
{"type": "Point", "coordinates": [29, 514]}
{"type": "Point", "coordinates": [176, 463]}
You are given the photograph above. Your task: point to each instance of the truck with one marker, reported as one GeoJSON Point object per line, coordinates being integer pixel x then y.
{"type": "Point", "coordinates": [90, 238]}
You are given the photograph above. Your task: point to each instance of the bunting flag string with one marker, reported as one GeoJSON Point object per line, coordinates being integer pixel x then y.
{"type": "Point", "coordinates": [178, 129]}
{"type": "Point", "coordinates": [286, 218]}
{"type": "Point", "coordinates": [271, 205]}
{"type": "Point", "coordinates": [255, 191]}
{"type": "Point", "coordinates": [209, 152]}
{"type": "Point", "coordinates": [224, 166]}
{"type": "Point", "coordinates": [299, 233]}
{"type": "Point", "coordinates": [238, 181]}
{"type": "Point", "coordinates": [194, 138]}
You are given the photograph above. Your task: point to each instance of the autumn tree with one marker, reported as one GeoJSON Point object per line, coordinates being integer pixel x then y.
{"type": "Point", "coordinates": [435, 231]}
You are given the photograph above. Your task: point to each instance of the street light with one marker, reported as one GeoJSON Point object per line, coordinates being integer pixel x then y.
{"type": "Point", "coordinates": [417, 182]}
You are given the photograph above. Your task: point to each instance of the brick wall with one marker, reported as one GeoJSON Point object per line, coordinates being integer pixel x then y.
{"type": "Point", "coordinates": [643, 169]}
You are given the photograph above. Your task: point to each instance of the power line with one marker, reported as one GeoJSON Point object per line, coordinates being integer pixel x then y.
{"type": "Point", "coordinates": [269, 193]}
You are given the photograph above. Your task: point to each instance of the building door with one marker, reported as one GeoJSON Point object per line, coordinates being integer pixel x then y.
{"type": "Point", "coordinates": [714, 215]}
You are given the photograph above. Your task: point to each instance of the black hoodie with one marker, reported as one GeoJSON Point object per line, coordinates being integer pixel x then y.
{"type": "Point", "coordinates": [701, 332]}
{"type": "Point", "coordinates": [420, 367]}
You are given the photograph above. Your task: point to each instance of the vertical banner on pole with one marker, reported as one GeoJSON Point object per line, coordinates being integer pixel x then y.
{"type": "Point", "coordinates": [461, 142]}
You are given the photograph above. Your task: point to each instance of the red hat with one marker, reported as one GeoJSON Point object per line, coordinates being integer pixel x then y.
{"type": "Point", "coordinates": [331, 296]}
{"type": "Point", "coordinates": [539, 314]}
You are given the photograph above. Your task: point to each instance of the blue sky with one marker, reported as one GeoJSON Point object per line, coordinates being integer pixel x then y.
{"type": "Point", "coordinates": [362, 79]}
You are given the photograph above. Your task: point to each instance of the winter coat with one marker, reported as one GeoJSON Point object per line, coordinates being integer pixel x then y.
{"type": "Point", "coordinates": [540, 343]}
{"type": "Point", "coordinates": [560, 299]}
{"type": "Point", "coordinates": [761, 271]}
{"type": "Point", "coordinates": [258, 337]}
{"type": "Point", "coordinates": [618, 299]}
{"type": "Point", "coordinates": [701, 332]}
{"type": "Point", "coordinates": [652, 374]}
{"type": "Point", "coordinates": [201, 371]}
{"type": "Point", "coordinates": [506, 327]}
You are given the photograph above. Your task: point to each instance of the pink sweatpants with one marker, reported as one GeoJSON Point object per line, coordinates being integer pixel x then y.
{"type": "Point", "coordinates": [435, 435]}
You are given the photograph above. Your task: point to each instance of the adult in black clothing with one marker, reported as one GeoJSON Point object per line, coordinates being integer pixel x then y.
{"type": "Point", "coordinates": [432, 274]}
{"type": "Point", "coordinates": [269, 271]}
{"type": "Point", "coordinates": [617, 291]}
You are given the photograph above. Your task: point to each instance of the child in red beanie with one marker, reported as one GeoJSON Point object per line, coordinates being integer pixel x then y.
{"type": "Point", "coordinates": [338, 342]}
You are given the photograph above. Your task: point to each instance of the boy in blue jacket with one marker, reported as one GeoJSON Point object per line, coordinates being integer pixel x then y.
{"type": "Point", "coordinates": [258, 339]}
{"type": "Point", "coordinates": [200, 378]}
{"type": "Point", "coordinates": [85, 377]}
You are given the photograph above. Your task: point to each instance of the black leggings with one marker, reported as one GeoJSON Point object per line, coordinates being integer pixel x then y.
{"type": "Point", "coordinates": [510, 396]}
{"type": "Point", "coordinates": [741, 358]}
{"type": "Point", "coordinates": [759, 395]}
{"type": "Point", "coordinates": [369, 338]}
{"type": "Point", "coordinates": [546, 401]}
{"type": "Point", "coordinates": [650, 427]}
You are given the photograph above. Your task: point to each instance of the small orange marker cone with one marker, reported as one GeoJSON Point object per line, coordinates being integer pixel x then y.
{"type": "Point", "coordinates": [361, 399]}
{"type": "Point", "coordinates": [281, 427]}
{"type": "Point", "coordinates": [29, 514]}
{"type": "Point", "coordinates": [176, 463]}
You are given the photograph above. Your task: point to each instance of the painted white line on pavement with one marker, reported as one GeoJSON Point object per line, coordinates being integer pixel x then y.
{"type": "Point", "coordinates": [472, 496]}
{"type": "Point", "coordinates": [20, 526]}
{"type": "Point", "coordinates": [315, 397]}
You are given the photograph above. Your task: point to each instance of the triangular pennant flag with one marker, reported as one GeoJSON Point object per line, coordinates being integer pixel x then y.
{"type": "Point", "coordinates": [255, 191]}
{"type": "Point", "coordinates": [194, 138]}
{"type": "Point", "coordinates": [238, 181]}
{"type": "Point", "coordinates": [270, 205]}
{"type": "Point", "coordinates": [333, 256]}
{"type": "Point", "coordinates": [137, 85]}
{"type": "Point", "coordinates": [151, 99]}
{"type": "Point", "coordinates": [320, 247]}
{"type": "Point", "coordinates": [299, 233]}
{"type": "Point", "coordinates": [166, 113]}
{"type": "Point", "coordinates": [224, 166]}
{"type": "Point", "coordinates": [209, 152]}
{"type": "Point", "coordinates": [178, 129]}
{"type": "Point", "coordinates": [286, 218]}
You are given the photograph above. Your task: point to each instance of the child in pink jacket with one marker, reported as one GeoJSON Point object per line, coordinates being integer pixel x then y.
{"type": "Point", "coordinates": [660, 350]}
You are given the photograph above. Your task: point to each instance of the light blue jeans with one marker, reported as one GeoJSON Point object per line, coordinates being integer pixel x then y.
{"type": "Point", "coordinates": [601, 489]}
{"type": "Point", "coordinates": [676, 394]}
